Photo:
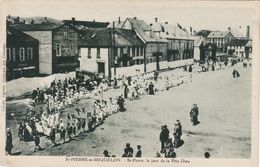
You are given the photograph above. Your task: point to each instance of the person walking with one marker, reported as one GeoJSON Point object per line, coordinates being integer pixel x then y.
{"type": "Point", "coordinates": [164, 135]}
{"type": "Point", "coordinates": [120, 102]}
{"type": "Point", "coordinates": [177, 133]}
{"type": "Point", "coordinates": [9, 142]}
{"type": "Point", "coordinates": [194, 114]}
{"type": "Point", "coordinates": [37, 142]}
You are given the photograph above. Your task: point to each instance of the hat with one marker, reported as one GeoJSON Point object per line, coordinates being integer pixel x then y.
{"type": "Point", "coordinates": [105, 152]}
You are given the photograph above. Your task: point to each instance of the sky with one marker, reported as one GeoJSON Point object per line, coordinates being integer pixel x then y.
{"type": "Point", "coordinates": [202, 15]}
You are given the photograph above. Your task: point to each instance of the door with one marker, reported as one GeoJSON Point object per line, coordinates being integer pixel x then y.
{"type": "Point", "coordinates": [101, 67]}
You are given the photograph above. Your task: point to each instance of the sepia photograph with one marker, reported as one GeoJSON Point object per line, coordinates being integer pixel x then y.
{"type": "Point", "coordinates": [129, 80]}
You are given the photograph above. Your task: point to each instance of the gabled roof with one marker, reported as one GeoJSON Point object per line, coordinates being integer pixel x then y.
{"type": "Point", "coordinates": [102, 37]}
{"type": "Point", "coordinates": [36, 27]}
{"type": "Point", "coordinates": [17, 36]}
{"type": "Point", "coordinates": [218, 34]}
{"type": "Point", "coordinates": [203, 33]}
{"type": "Point", "coordinates": [144, 30]}
{"type": "Point", "coordinates": [86, 24]}
{"type": "Point", "coordinates": [237, 34]}
{"type": "Point", "coordinates": [238, 42]}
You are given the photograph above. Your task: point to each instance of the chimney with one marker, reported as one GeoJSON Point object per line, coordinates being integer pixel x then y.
{"type": "Point", "coordinates": [166, 22]}
{"type": "Point", "coordinates": [119, 20]}
{"type": "Point", "coordinates": [18, 19]}
{"type": "Point", "coordinates": [32, 22]}
{"type": "Point", "coordinates": [45, 18]}
{"type": "Point", "coordinates": [9, 16]}
{"type": "Point", "coordinates": [73, 21]}
{"type": "Point", "coordinates": [248, 32]}
{"type": "Point", "coordinates": [156, 19]}
{"type": "Point", "coordinates": [23, 21]}
{"type": "Point", "coordinates": [135, 18]}
{"type": "Point", "coordinates": [94, 20]}
{"type": "Point", "coordinates": [229, 29]}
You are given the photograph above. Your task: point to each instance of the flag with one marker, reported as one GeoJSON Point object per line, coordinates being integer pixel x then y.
{"type": "Point", "coordinates": [179, 25]}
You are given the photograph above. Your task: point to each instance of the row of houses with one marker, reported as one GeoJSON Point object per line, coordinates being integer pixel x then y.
{"type": "Point", "coordinates": [118, 48]}
{"type": "Point", "coordinates": [231, 42]}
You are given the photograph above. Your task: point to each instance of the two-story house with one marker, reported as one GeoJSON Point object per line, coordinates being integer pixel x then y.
{"type": "Point", "coordinates": [22, 55]}
{"type": "Point", "coordinates": [110, 51]}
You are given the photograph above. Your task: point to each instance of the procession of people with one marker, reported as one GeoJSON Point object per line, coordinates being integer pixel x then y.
{"type": "Point", "coordinates": [45, 113]}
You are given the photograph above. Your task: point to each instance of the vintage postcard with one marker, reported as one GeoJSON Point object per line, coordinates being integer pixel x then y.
{"type": "Point", "coordinates": [129, 83]}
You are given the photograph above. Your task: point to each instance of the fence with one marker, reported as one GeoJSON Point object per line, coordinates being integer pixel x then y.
{"type": "Point", "coordinates": [23, 85]}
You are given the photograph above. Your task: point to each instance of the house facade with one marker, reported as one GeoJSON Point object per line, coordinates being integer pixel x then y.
{"type": "Point", "coordinates": [22, 55]}
{"type": "Point", "coordinates": [180, 47]}
{"type": "Point", "coordinates": [220, 38]}
{"type": "Point", "coordinates": [58, 43]}
{"type": "Point", "coordinates": [155, 54]}
{"type": "Point", "coordinates": [113, 52]}
{"type": "Point", "coordinates": [239, 48]}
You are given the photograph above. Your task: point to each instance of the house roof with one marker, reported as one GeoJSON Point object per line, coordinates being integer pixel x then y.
{"type": "Point", "coordinates": [101, 37]}
{"type": "Point", "coordinates": [86, 24]}
{"type": "Point", "coordinates": [203, 33]}
{"type": "Point", "coordinates": [144, 30]}
{"type": "Point", "coordinates": [218, 34]}
{"type": "Point", "coordinates": [14, 35]}
{"type": "Point", "coordinates": [36, 27]}
{"type": "Point", "coordinates": [237, 34]}
{"type": "Point", "coordinates": [237, 42]}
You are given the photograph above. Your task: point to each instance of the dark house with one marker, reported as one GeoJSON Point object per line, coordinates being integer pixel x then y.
{"type": "Point", "coordinates": [22, 55]}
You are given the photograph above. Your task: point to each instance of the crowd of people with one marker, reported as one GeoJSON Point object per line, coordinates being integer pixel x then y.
{"type": "Point", "coordinates": [62, 94]}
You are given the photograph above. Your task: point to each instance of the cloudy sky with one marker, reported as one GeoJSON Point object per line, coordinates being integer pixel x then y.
{"type": "Point", "coordinates": [199, 15]}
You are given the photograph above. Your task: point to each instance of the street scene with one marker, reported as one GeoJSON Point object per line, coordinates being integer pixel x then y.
{"type": "Point", "coordinates": [127, 88]}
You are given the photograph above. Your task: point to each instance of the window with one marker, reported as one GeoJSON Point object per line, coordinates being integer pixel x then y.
{"type": "Point", "coordinates": [142, 52]}
{"type": "Point", "coordinates": [98, 53]}
{"type": "Point", "coordinates": [137, 51]}
{"type": "Point", "coordinates": [9, 54]}
{"type": "Point", "coordinates": [71, 46]}
{"type": "Point", "coordinates": [125, 50]}
{"type": "Point", "coordinates": [89, 53]}
{"type": "Point", "coordinates": [13, 53]}
{"type": "Point", "coordinates": [29, 53]}
{"type": "Point", "coordinates": [21, 54]}
{"type": "Point", "coordinates": [66, 32]}
{"type": "Point", "coordinates": [58, 50]}
{"type": "Point", "coordinates": [133, 52]}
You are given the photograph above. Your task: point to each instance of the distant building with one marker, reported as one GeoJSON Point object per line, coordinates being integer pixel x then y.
{"type": "Point", "coordinates": [22, 55]}
{"type": "Point", "coordinates": [220, 38]}
{"type": "Point", "coordinates": [200, 38]}
{"type": "Point", "coordinates": [240, 48]}
{"type": "Point", "coordinates": [155, 46]}
{"type": "Point", "coordinates": [58, 43]}
{"type": "Point", "coordinates": [179, 43]}
{"type": "Point", "coordinates": [110, 51]}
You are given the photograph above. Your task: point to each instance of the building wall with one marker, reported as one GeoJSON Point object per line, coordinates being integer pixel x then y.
{"type": "Point", "coordinates": [239, 51]}
{"type": "Point", "coordinates": [65, 44]}
{"type": "Point", "coordinates": [17, 67]}
{"type": "Point", "coordinates": [90, 64]}
{"type": "Point", "coordinates": [45, 50]}
{"type": "Point", "coordinates": [152, 49]}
